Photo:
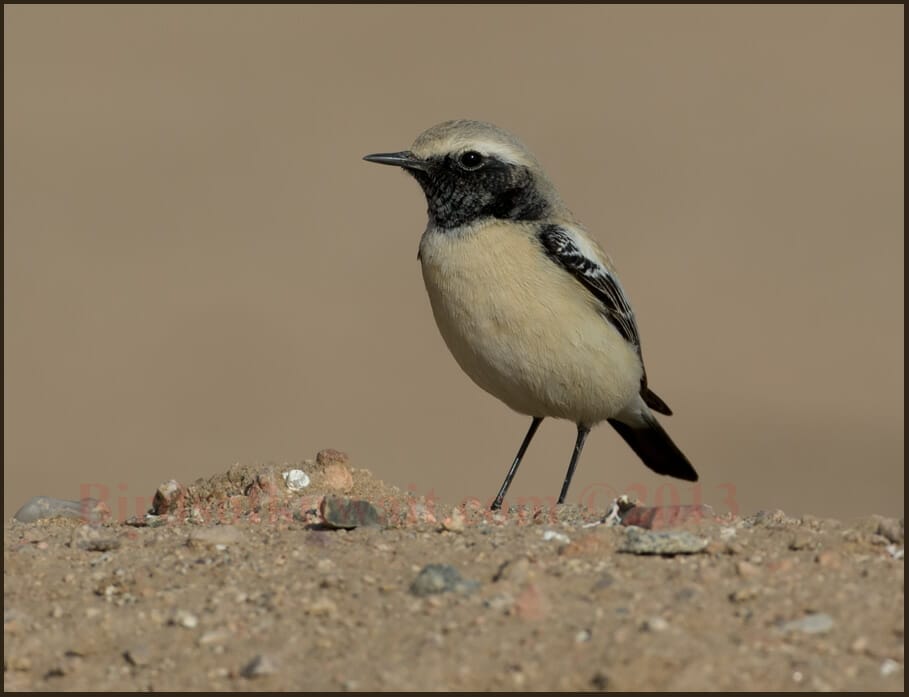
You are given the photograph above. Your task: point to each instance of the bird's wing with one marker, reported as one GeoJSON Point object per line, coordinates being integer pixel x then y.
{"type": "Point", "coordinates": [583, 259]}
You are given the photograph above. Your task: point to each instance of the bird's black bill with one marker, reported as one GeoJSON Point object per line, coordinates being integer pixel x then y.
{"type": "Point", "coordinates": [405, 159]}
{"type": "Point", "coordinates": [534, 425]}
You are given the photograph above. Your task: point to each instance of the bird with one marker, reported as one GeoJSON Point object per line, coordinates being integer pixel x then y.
{"type": "Point", "coordinates": [528, 303]}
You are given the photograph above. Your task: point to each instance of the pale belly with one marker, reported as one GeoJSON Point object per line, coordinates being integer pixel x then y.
{"type": "Point", "coordinates": [524, 330]}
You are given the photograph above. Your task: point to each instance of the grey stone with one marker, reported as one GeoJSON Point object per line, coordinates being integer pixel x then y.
{"type": "Point", "coordinates": [138, 655]}
{"type": "Point", "coordinates": [344, 513]}
{"type": "Point", "coordinates": [599, 681]}
{"type": "Point", "coordinates": [640, 541]}
{"type": "Point", "coordinates": [515, 570]}
{"type": "Point", "coordinates": [441, 578]}
{"type": "Point", "coordinates": [892, 529]}
{"type": "Point", "coordinates": [259, 667]}
{"type": "Point", "coordinates": [44, 507]}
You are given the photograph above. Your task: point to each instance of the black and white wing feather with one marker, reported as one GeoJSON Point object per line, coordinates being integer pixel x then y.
{"type": "Point", "coordinates": [575, 256]}
{"type": "Point", "coordinates": [565, 249]}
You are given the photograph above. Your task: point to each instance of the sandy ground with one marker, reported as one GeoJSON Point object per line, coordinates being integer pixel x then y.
{"type": "Point", "coordinates": [242, 584]}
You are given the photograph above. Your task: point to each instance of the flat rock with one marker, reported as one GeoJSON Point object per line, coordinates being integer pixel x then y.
{"type": "Point", "coordinates": [640, 541]}
{"type": "Point", "coordinates": [45, 507]}
{"type": "Point", "coordinates": [344, 513]}
{"type": "Point", "coordinates": [815, 623]}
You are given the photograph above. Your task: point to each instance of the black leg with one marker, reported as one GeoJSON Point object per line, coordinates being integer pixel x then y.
{"type": "Point", "coordinates": [534, 425]}
{"type": "Point", "coordinates": [578, 447]}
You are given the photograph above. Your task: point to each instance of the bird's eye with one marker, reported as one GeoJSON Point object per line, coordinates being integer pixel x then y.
{"type": "Point", "coordinates": [470, 160]}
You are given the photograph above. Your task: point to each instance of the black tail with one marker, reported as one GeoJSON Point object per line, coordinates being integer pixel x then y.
{"type": "Point", "coordinates": [654, 446]}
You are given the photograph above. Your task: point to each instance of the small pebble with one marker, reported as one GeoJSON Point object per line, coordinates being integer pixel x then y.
{"type": "Point", "coordinates": [325, 565]}
{"type": "Point", "coordinates": [440, 578]}
{"type": "Point", "coordinates": [169, 498]}
{"type": "Point", "coordinates": [889, 667]}
{"type": "Point", "coordinates": [860, 645]}
{"type": "Point", "coordinates": [215, 636]}
{"type": "Point", "coordinates": [767, 518]}
{"type": "Point", "coordinates": [138, 656]}
{"type": "Point", "coordinates": [421, 513]}
{"type": "Point", "coordinates": [743, 594]}
{"type": "Point", "coordinates": [296, 480]}
{"type": "Point", "coordinates": [455, 522]}
{"type": "Point", "coordinates": [557, 536]}
{"type": "Point", "coordinates": [515, 570]}
{"type": "Point", "coordinates": [259, 667]}
{"type": "Point", "coordinates": [18, 663]}
{"type": "Point", "coordinates": [500, 601]}
{"type": "Point", "coordinates": [655, 624]}
{"type": "Point", "coordinates": [815, 623]}
{"type": "Point", "coordinates": [184, 618]}
{"type": "Point", "coordinates": [94, 539]}
{"type": "Point", "coordinates": [828, 559]}
{"type": "Point", "coordinates": [531, 604]}
{"type": "Point", "coordinates": [321, 607]}
{"type": "Point", "coordinates": [727, 533]}
{"type": "Point", "coordinates": [746, 569]}
{"type": "Point", "coordinates": [892, 529]}
{"type": "Point", "coordinates": [599, 681]}
{"type": "Point", "coordinates": [802, 539]}
{"type": "Point", "coordinates": [337, 477]}
{"type": "Point", "coordinates": [214, 536]}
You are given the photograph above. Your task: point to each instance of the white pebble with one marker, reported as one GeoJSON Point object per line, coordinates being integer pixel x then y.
{"type": "Point", "coordinates": [185, 619]}
{"type": "Point", "coordinates": [296, 480]}
{"type": "Point", "coordinates": [557, 536]}
{"type": "Point", "coordinates": [889, 667]}
{"type": "Point", "coordinates": [655, 624]}
{"type": "Point", "coordinates": [727, 533]}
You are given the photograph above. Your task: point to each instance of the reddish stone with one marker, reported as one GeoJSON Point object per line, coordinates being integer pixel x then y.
{"type": "Point", "coordinates": [660, 517]}
{"type": "Point", "coordinates": [170, 498]}
{"type": "Point", "coordinates": [330, 455]}
{"type": "Point", "coordinates": [337, 477]}
{"type": "Point", "coordinates": [531, 604]}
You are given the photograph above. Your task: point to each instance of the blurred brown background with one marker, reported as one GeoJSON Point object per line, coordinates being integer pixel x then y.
{"type": "Point", "coordinates": [199, 269]}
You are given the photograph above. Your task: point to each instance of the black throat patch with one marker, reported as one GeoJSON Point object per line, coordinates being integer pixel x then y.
{"type": "Point", "coordinates": [456, 197]}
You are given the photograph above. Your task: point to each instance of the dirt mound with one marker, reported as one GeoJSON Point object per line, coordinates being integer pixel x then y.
{"type": "Point", "coordinates": [249, 580]}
